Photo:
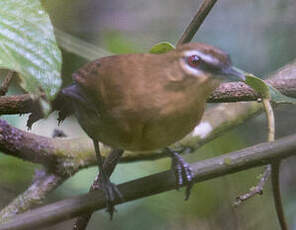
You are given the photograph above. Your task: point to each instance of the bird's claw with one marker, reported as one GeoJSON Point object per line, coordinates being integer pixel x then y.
{"type": "Point", "coordinates": [111, 192]}
{"type": "Point", "coordinates": [183, 173]}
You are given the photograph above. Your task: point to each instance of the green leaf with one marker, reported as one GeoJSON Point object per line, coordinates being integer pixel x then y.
{"type": "Point", "coordinates": [28, 46]}
{"type": "Point", "coordinates": [161, 47]}
{"type": "Point", "coordinates": [279, 98]}
{"type": "Point", "coordinates": [268, 91]}
{"type": "Point", "coordinates": [258, 85]}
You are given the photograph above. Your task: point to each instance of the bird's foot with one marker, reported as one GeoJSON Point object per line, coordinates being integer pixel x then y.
{"type": "Point", "coordinates": [111, 192]}
{"type": "Point", "coordinates": [183, 173]}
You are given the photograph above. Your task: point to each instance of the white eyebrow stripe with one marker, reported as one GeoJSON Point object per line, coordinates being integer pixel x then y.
{"type": "Point", "coordinates": [206, 57]}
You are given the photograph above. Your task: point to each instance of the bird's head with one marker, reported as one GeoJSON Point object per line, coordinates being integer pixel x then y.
{"type": "Point", "coordinates": [205, 61]}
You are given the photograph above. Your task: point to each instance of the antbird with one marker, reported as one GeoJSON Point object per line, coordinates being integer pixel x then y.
{"type": "Point", "coordinates": [143, 102]}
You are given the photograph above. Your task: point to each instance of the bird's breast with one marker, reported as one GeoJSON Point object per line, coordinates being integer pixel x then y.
{"type": "Point", "coordinates": [139, 127]}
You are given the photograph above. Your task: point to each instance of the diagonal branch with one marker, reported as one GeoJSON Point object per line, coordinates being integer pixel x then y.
{"type": "Point", "coordinates": [254, 156]}
{"type": "Point", "coordinates": [196, 22]}
{"type": "Point", "coordinates": [6, 82]}
{"type": "Point", "coordinates": [258, 189]}
{"type": "Point", "coordinates": [34, 195]}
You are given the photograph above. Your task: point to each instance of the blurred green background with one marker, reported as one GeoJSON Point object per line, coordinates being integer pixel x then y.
{"type": "Point", "coordinates": [259, 35]}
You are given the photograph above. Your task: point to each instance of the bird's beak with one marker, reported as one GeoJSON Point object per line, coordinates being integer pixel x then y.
{"type": "Point", "coordinates": [236, 72]}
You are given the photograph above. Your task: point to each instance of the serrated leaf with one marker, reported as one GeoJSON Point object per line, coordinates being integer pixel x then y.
{"type": "Point", "coordinates": [258, 85]}
{"type": "Point", "coordinates": [161, 47]}
{"type": "Point", "coordinates": [28, 46]}
{"type": "Point", "coordinates": [279, 98]}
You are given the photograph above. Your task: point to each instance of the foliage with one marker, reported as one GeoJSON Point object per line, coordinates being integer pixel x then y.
{"type": "Point", "coordinates": [268, 91]}
{"type": "Point", "coordinates": [28, 46]}
{"type": "Point", "coordinates": [161, 47]}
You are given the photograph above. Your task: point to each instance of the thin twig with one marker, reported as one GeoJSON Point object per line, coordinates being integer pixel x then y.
{"type": "Point", "coordinates": [250, 157]}
{"type": "Point", "coordinates": [270, 119]}
{"type": "Point", "coordinates": [196, 22]}
{"type": "Point", "coordinates": [6, 82]}
{"type": "Point", "coordinates": [275, 180]}
{"type": "Point", "coordinates": [275, 168]}
{"type": "Point", "coordinates": [272, 169]}
{"type": "Point", "coordinates": [258, 189]}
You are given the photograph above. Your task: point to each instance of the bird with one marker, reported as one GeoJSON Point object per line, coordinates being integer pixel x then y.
{"type": "Point", "coordinates": [145, 102]}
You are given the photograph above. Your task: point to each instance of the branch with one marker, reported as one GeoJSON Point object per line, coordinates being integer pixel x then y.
{"type": "Point", "coordinates": [61, 155]}
{"type": "Point", "coordinates": [27, 146]}
{"type": "Point", "coordinates": [196, 22]}
{"type": "Point", "coordinates": [254, 156]}
{"type": "Point", "coordinates": [110, 163]}
{"type": "Point", "coordinates": [258, 189]}
{"type": "Point", "coordinates": [67, 155]}
{"type": "Point", "coordinates": [6, 82]}
{"type": "Point", "coordinates": [44, 183]}
{"type": "Point", "coordinates": [239, 91]}
{"type": "Point", "coordinates": [226, 92]}
{"type": "Point", "coordinates": [17, 104]}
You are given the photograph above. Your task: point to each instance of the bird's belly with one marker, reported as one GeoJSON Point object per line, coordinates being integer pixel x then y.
{"type": "Point", "coordinates": [139, 135]}
{"type": "Point", "coordinates": [141, 131]}
{"type": "Point", "coordinates": [167, 130]}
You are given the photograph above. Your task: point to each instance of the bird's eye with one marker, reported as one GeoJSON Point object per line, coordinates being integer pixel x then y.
{"type": "Point", "coordinates": [193, 60]}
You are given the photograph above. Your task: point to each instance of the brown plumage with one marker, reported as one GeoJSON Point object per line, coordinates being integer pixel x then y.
{"type": "Point", "coordinates": [147, 101]}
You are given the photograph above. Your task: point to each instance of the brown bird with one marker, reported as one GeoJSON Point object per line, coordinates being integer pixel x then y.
{"type": "Point", "coordinates": [143, 102]}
